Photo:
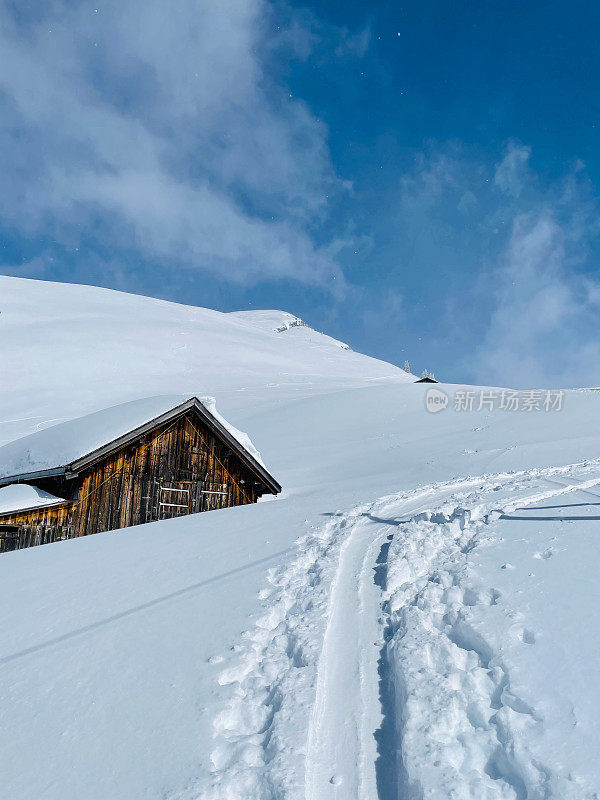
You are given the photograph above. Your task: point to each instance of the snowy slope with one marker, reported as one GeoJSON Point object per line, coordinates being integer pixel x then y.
{"type": "Point", "coordinates": [363, 635]}
{"type": "Point", "coordinates": [70, 350]}
{"type": "Point", "coordinates": [293, 327]}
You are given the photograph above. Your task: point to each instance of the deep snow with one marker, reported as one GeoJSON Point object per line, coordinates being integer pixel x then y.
{"type": "Point", "coordinates": [20, 496]}
{"type": "Point", "coordinates": [217, 655]}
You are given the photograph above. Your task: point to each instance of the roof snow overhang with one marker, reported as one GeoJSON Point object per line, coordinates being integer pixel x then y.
{"type": "Point", "coordinates": [21, 498]}
{"type": "Point", "coordinates": [38, 507]}
{"type": "Point", "coordinates": [193, 404]}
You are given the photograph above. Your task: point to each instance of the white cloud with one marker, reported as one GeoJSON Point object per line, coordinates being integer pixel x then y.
{"type": "Point", "coordinates": [354, 44]}
{"type": "Point", "coordinates": [512, 257]}
{"type": "Point", "coordinates": [162, 129]}
{"type": "Point", "coordinates": [511, 172]}
{"type": "Point", "coordinates": [433, 174]}
{"type": "Point", "coordinates": [543, 329]}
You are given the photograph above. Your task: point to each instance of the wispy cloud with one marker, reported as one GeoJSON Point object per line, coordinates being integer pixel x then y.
{"type": "Point", "coordinates": [163, 131]}
{"type": "Point", "coordinates": [512, 171]}
{"type": "Point", "coordinates": [517, 258]}
{"type": "Point", "coordinates": [543, 329]}
{"type": "Point", "coordinates": [543, 326]}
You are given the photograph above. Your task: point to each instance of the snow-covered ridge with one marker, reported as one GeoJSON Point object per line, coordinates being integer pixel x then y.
{"type": "Point", "coordinates": [282, 321]}
{"type": "Point", "coordinates": [69, 350]}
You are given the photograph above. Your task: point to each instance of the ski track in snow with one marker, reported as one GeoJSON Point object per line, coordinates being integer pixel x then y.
{"type": "Point", "coordinates": [363, 678]}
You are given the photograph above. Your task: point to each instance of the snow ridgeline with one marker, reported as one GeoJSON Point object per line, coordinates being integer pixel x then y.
{"type": "Point", "coordinates": [284, 322]}
{"type": "Point", "coordinates": [364, 678]}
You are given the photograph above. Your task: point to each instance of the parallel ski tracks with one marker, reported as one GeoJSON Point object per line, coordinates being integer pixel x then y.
{"type": "Point", "coordinates": [312, 662]}
{"type": "Point", "coordinates": [341, 753]}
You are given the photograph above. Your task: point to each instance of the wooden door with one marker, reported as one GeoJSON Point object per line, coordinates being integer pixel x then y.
{"type": "Point", "coordinates": [174, 499]}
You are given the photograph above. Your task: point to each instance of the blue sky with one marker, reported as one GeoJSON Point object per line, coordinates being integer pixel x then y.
{"type": "Point", "coordinates": [419, 180]}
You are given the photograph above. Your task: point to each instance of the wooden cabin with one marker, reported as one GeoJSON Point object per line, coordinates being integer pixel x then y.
{"type": "Point", "coordinates": [80, 478]}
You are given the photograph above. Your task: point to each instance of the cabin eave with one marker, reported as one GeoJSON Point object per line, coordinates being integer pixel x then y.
{"type": "Point", "coordinates": [90, 459]}
{"type": "Point", "coordinates": [25, 477]}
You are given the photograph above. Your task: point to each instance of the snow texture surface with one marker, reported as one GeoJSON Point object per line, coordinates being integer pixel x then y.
{"type": "Point", "coordinates": [18, 496]}
{"type": "Point", "coordinates": [416, 617]}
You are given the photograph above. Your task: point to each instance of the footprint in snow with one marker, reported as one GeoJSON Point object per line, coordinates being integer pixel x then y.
{"type": "Point", "coordinates": [495, 595]}
{"type": "Point", "coordinates": [528, 636]}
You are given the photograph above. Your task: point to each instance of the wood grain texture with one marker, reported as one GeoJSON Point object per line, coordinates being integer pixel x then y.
{"type": "Point", "coordinates": [179, 468]}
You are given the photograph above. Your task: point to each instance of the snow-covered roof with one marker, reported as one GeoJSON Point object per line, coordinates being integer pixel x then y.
{"type": "Point", "coordinates": [22, 497]}
{"type": "Point", "coordinates": [67, 445]}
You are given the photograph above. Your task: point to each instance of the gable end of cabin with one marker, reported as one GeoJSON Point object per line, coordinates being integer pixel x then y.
{"type": "Point", "coordinates": [179, 467]}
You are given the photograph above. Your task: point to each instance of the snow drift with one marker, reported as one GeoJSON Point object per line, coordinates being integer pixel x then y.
{"type": "Point", "coordinates": [392, 587]}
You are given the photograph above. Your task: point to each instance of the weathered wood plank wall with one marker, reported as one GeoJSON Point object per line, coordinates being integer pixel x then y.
{"type": "Point", "coordinates": [177, 469]}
